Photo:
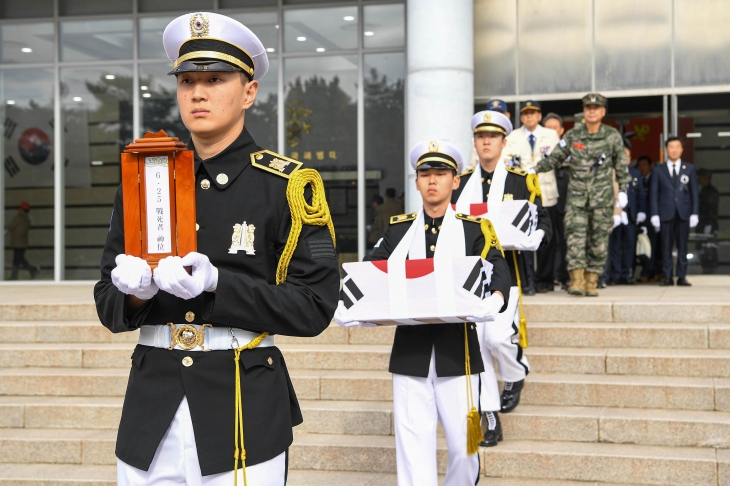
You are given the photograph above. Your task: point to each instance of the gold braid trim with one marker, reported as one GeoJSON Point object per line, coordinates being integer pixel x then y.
{"type": "Point", "coordinates": [490, 237]}
{"type": "Point", "coordinates": [523, 320]}
{"type": "Point", "coordinates": [473, 428]}
{"type": "Point", "coordinates": [533, 185]}
{"type": "Point", "coordinates": [317, 213]}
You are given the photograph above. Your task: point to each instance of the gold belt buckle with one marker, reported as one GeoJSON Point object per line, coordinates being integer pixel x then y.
{"type": "Point", "coordinates": [187, 337]}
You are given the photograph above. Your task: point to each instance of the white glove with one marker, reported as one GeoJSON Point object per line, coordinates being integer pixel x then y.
{"type": "Point", "coordinates": [624, 218]}
{"type": "Point", "coordinates": [536, 237]}
{"type": "Point", "coordinates": [345, 322]}
{"type": "Point", "coordinates": [644, 230]}
{"type": "Point", "coordinates": [133, 276]}
{"type": "Point", "coordinates": [488, 309]}
{"type": "Point", "coordinates": [616, 220]}
{"type": "Point", "coordinates": [693, 220]}
{"type": "Point", "coordinates": [655, 222]}
{"type": "Point", "coordinates": [640, 218]}
{"type": "Point", "coordinates": [531, 170]}
{"type": "Point", "coordinates": [172, 277]}
{"type": "Point", "coordinates": [623, 200]}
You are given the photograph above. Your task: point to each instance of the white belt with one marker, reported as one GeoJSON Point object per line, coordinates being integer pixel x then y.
{"type": "Point", "coordinates": [194, 337]}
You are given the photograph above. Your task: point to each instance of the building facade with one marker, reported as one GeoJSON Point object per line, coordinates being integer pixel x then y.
{"type": "Point", "coordinates": [351, 85]}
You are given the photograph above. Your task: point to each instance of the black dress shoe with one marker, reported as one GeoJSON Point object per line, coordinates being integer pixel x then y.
{"type": "Point", "coordinates": [683, 282]}
{"type": "Point", "coordinates": [564, 286]}
{"type": "Point", "coordinates": [666, 283]}
{"type": "Point", "coordinates": [627, 281]}
{"type": "Point", "coordinates": [492, 429]}
{"type": "Point", "coordinates": [511, 395]}
{"type": "Point", "coordinates": [541, 289]}
{"type": "Point", "coordinates": [528, 290]}
{"type": "Point", "coordinates": [601, 283]}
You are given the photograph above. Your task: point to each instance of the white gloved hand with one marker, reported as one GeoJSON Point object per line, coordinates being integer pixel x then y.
{"type": "Point", "coordinates": [616, 220]}
{"type": "Point", "coordinates": [133, 276]}
{"type": "Point", "coordinates": [640, 218]}
{"type": "Point", "coordinates": [623, 199]}
{"type": "Point", "coordinates": [656, 223]}
{"type": "Point", "coordinates": [693, 220]}
{"type": "Point", "coordinates": [644, 230]}
{"type": "Point", "coordinates": [536, 237]}
{"type": "Point", "coordinates": [624, 218]}
{"type": "Point", "coordinates": [488, 309]}
{"type": "Point", "coordinates": [172, 277]}
{"type": "Point", "coordinates": [531, 170]}
{"type": "Point", "coordinates": [344, 321]}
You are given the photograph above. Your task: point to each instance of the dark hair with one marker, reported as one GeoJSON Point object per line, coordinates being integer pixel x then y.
{"type": "Point", "coordinates": [377, 199]}
{"type": "Point", "coordinates": [390, 192]}
{"type": "Point", "coordinates": [553, 115]}
{"type": "Point", "coordinates": [644, 157]}
{"type": "Point", "coordinates": [673, 139]}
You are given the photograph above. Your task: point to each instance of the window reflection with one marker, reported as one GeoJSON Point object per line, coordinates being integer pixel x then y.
{"type": "Point", "coordinates": [261, 118]}
{"type": "Point", "coordinates": [321, 131]}
{"type": "Point", "coordinates": [27, 147]}
{"type": "Point", "coordinates": [26, 43]}
{"type": "Point", "coordinates": [384, 140]}
{"type": "Point", "coordinates": [384, 26]}
{"type": "Point", "coordinates": [158, 101]}
{"type": "Point", "coordinates": [96, 39]}
{"type": "Point", "coordinates": [320, 29]}
{"type": "Point", "coordinates": [150, 37]}
{"type": "Point", "coordinates": [264, 24]}
{"type": "Point", "coordinates": [97, 123]}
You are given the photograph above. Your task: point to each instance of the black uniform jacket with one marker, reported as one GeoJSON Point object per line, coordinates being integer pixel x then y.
{"type": "Point", "coordinates": [411, 354]}
{"type": "Point", "coordinates": [247, 297]}
{"type": "Point", "coordinates": [516, 185]}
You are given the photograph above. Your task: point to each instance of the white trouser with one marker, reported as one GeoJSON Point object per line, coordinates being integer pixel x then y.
{"type": "Point", "coordinates": [176, 462]}
{"type": "Point", "coordinates": [419, 404]}
{"type": "Point", "coordinates": [500, 338]}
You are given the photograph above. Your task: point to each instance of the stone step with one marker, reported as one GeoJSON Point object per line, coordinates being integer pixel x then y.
{"type": "Point", "coordinates": [57, 475]}
{"type": "Point", "coordinates": [570, 461]}
{"type": "Point", "coordinates": [57, 446]}
{"type": "Point", "coordinates": [62, 332]}
{"type": "Point", "coordinates": [63, 381]}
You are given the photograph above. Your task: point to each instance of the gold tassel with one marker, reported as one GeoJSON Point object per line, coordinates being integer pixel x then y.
{"type": "Point", "coordinates": [533, 185]}
{"type": "Point", "coordinates": [523, 320]}
{"type": "Point", "coordinates": [473, 427]}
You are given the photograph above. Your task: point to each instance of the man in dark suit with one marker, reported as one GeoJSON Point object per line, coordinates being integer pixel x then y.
{"type": "Point", "coordinates": [651, 265]}
{"type": "Point", "coordinates": [622, 242]}
{"type": "Point", "coordinates": [675, 207]}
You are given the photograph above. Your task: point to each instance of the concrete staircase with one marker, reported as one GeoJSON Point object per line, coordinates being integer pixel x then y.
{"type": "Point", "coordinates": [629, 388]}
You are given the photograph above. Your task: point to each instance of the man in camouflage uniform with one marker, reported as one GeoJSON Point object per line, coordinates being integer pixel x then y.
{"type": "Point", "coordinates": [596, 153]}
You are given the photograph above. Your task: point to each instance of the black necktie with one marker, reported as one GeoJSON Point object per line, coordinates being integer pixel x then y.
{"type": "Point", "coordinates": [531, 138]}
{"type": "Point", "coordinates": [674, 173]}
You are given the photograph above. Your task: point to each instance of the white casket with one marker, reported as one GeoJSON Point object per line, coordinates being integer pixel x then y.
{"type": "Point", "coordinates": [422, 296]}
{"type": "Point", "coordinates": [518, 219]}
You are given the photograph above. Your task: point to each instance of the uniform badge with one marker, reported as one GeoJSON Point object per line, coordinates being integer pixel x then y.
{"type": "Point", "coordinates": [199, 25]}
{"type": "Point", "coordinates": [545, 150]}
{"type": "Point", "coordinates": [579, 146]}
{"type": "Point", "coordinates": [488, 116]}
{"type": "Point", "coordinates": [684, 179]}
{"type": "Point", "coordinates": [562, 143]}
{"type": "Point", "coordinates": [279, 164]}
{"type": "Point", "coordinates": [508, 197]}
{"type": "Point", "coordinates": [433, 146]}
{"type": "Point", "coordinates": [242, 239]}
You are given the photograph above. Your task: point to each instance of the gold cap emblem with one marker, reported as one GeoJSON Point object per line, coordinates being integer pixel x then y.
{"type": "Point", "coordinates": [495, 103]}
{"type": "Point", "coordinates": [487, 117]}
{"type": "Point", "coordinates": [199, 25]}
{"type": "Point", "coordinates": [433, 146]}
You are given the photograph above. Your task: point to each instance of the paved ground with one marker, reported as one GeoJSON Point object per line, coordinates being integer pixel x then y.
{"type": "Point", "coordinates": [705, 288]}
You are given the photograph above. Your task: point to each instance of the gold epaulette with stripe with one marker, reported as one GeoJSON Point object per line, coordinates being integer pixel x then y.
{"type": "Point", "coordinates": [400, 218]}
{"type": "Point", "coordinates": [275, 163]}
{"type": "Point", "coordinates": [467, 172]}
{"type": "Point", "coordinates": [516, 170]}
{"type": "Point", "coordinates": [469, 217]}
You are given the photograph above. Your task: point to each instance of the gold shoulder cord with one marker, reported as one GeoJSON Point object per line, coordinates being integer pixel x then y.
{"type": "Point", "coordinates": [317, 214]}
{"type": "Point", "coordinates": [523, 320]}
{"type": "Point", "coordinates": [533, 185]}
{"type": "Point", "coordinates": [473, 428]}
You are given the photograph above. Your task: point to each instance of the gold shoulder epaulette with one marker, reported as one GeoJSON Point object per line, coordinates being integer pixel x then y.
{"type": "Point", "coordinates": [490, 237]}
{"type": "Point", "coordinates": [467, 172]}
{"type": "Point", "coordinates": [516, 170]}
{"type": "Point", "coordinates": [469, 217]}
{"type": "Point", "coordinates": [400, 218]}
{"type": "Point", "coordinates": [275, 163]}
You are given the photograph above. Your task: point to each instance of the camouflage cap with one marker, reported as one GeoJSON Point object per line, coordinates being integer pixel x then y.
{"type": "Point", "coordinates": [594, 99]}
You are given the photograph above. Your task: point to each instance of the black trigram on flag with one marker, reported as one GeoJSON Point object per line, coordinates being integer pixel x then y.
{"type": "Point", "coordinates": [350, 292]}
{"type": "Point", "coordinates": [522, 220]}
{"type": "Point", "coordinates": [10, 126]}
{"type": "Point", "coordinates": [475, 282]}
{"type": "Point", "coordinates": [10, 166]}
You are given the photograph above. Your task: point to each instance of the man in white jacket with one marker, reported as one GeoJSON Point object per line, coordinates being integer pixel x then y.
{"type": "Point", "coordinates": [526, 147]}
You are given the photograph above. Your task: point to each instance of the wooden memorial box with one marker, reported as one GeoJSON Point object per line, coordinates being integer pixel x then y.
{"type": "Point", "coordinates": [158, 191]}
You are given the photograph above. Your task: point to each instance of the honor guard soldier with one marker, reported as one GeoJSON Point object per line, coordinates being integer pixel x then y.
{"type": "Point", "coordinates": [186, 411]}
{"type": "Point", "coordinates": [595, 156]}
{"type": "Point", "coordinates": [492, 182]}
{"type": "Point", "coordinates": [428, 361]}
